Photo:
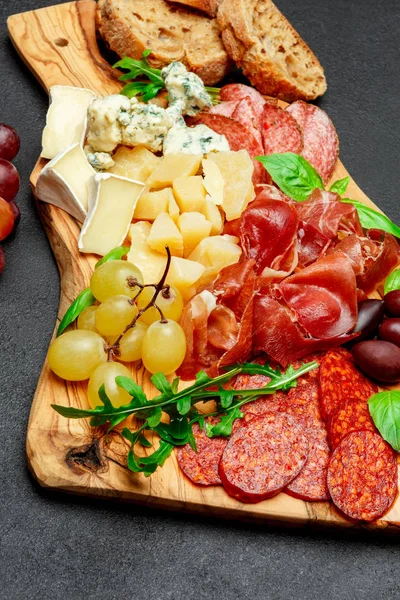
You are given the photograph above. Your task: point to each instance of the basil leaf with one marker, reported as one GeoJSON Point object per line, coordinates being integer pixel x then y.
{"type": "Point", "coordinates": [384, 408]}
{"type": "Point", "coordinates": [340, 186]}
{"type": "Point", "coordinates": [392, 282]}
{"type": "Point", "coordinates": [81, 302]}
{"type": "Point", "coordinates": [115, 254]}
{"type": "Point", "coordinates": [372, 219]}
{"type": "Point", "coordinates": [292, 173]}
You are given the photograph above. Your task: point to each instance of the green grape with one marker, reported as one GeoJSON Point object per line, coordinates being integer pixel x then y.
{"type": "Point", "coordinates": [75, 354]}
{"type": "Point", "coordinates": [170, 303]}
{"type": "Point", "coordinates": [164, 347]}
{"type": "Point", "coordinates": [105, 375]}
{"type": "Point", "coordinates": [86, 319]}
{"type": "Point", "coordinates": [114, 315]}
{"type": "Point", "coordinates": [110, 280]}
{"type": "Point", "coordinates": [130, 346]}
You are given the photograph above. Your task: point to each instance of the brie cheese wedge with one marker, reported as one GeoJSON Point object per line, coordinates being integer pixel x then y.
{"type": "Point", "coordinates": [66, 119]}
{"type": "Point", "coordinates": [112, 202]}
{"type": "Point", "coordinates": [63, 182]}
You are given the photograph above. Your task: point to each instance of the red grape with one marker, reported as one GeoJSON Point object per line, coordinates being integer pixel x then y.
{"type": "Point", "coordinates": [9, 142]}
{"type": "Point", "coordinates": [7, 219]}
{"type": "Point", "coordinates": [9, 180]}
{"type": "Point", "coordinates": [2, 259]}
{"type": "Point", "coordinates": [16, 211]}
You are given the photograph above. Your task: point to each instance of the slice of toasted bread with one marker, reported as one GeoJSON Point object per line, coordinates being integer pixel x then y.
{"type": "Point", "coordinates": [207, 6]}
{"type": "Point", "coordinates": [172, 32]}
{"type": "Point", "coordinates": [269, 50]}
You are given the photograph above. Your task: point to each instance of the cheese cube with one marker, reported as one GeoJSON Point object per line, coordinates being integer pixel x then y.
{"type": "Point", "coordinates": [194, 227]}
{"type": "Point", "coordinates": [173, 208]}
{"type": "Point", "coordinates": [112, 202]}
{"type": "Point", "coordinates": [173, 166]}
{"type": "Point", "coordinates": [212, 214]}
{"type": "Point", "coordinates": [163, 233]}
{"type": "Point", "coordinates": [237, 171]}
{"type": "Point", "coordinates": [135, 163]}
{"type": "Point", "coordinates": [66, 119]}
{"type": "Point", "coordinates": [189, 193]}
{"type": "Point", "coordinates": [63, 182]}
{"type": "Point", "coordinates": [151, 204]}
{"type": "Point", "coordinates": [213, 182]}
{"type": "Point", "coordinates": [218, 251]}
{"type": "Point", "coordinates": [150, 263]}
{"type": "Point", "coordinates": [184, 273]}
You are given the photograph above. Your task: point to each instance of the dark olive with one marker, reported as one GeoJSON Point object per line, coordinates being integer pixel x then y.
{"type": "Point", "coordinates": [390, 331]}
{"type": "Point", "coordinates": [370, 316]}
{"type": "Point", "coordinates": [378, 359]}
{"type": "Point", "coordinates": [392, 303]}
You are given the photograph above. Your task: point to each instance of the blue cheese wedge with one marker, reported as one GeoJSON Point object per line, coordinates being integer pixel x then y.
{"type": "Point", "coordinates": [63, 182]}
{"type": "Point", "coordinates": [66, 120]}
{"type": "Point", "coordinates": [185, 88]}
{"type": "Point", "coordinates": [112, 202]}
{"type": "Point", "coordinates": [194, 140]}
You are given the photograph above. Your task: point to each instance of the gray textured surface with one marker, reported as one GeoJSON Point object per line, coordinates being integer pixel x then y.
{"type": "Point", "coordinates": [54, 547]}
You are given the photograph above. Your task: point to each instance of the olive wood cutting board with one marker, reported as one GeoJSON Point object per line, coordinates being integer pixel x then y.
{"type": "Point", "coordinates": [59, 46]}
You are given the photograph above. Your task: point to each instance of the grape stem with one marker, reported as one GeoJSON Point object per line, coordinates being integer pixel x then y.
{"type": "Point", "coordinates": [159, 287]}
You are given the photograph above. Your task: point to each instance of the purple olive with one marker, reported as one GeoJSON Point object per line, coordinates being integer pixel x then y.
{"type": "Point", "coordinates": [390, 331]}
{"type": "Point", "coordinates": [392, 303]}
{"type": "Point", "coordinates": [370, 316]}
{"type": "Point", "coordinates": [378, 359]}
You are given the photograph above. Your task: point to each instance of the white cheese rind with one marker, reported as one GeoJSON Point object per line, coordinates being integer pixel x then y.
{"type": "Point", "coordinates": [63, 182]}
{"type": "Point", "coordinates": [112, 202]}
{"type": "Point", "coordinates": [66, 119]}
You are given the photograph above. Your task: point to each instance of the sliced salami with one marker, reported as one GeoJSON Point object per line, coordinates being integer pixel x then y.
{"type": "Point", "coordinates": [303, 403]}
{"type": "Point", "coordinates": [280, 131]}
{"type": "Point", "coordinates": [245, 115]}
{"type": "Point", "coordinates": [262, 457]}
{"type": "Point", "coordinates": [341, 382]}
{"type": "Point", "coordinates": [353, 416]}
{"type": "Point", "coordinates": [362, 476]}
{"type": "Point", "coordinates": [238, 91]}
{"type": "Point", "coordinates": [201, 467]}
{"type": "Point", "coordinates": [321, 143]}
{"type": "Point", "coordinates": [225, 109]}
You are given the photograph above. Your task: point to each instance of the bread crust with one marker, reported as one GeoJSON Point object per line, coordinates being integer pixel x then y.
{"type": "Point", "coordinates": [208, 6]}
{"type": "Point", "coordinates": [270, 75]}
{"type": "Point", "coordinates": [184, 35]}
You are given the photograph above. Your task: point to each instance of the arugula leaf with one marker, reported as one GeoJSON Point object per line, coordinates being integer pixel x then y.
{"type": "Point", "coordinates": [82, 301]}
{"type": "Point", "coordinates": [145, 464]}
{"type": "Point", "coordinates": [392, 282]}
{"type": "Point", "coordinates": [115, 254]}
{"type": "Point", "coordinates": [225, 397]}
{"type": "Point", "coordinates": [144, 441]}
{"type": "Point", "coordinates": [184, 405]}
{"type": "Point", "coordinates": [162, 384]}
{"type": "Point", "coordinates": [179, 427]}
{"type": "Point", "coordinates": [292, 173]}
{"type": "Point", "coordinates": [192, 441]}
{"type": "Point", "coordinates": [340, 186]}
{"type": "Point", "coordinates": [133, 388]}
{"type": "Point", "coordinates": [384, 408]}
{"type": "Point", "coordinates": [165, 433]}
{"type": "Point", "coordinates": [372, 219]}
{"type": "Point", "coordinates": [224, 427]}
{"type": "Point", "coordinates": [154, 419]}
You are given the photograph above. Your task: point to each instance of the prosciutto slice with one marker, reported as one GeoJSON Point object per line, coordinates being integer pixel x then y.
{"type": "Point", "coordinates": [311, 244]}
{"type": "Point", "coordinates": [323, 296]}
{"type": "Point", "coordinates": [325, 212]}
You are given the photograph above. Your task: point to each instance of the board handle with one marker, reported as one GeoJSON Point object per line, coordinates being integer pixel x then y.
{"type": "Point", "coordinates": [59, 46]}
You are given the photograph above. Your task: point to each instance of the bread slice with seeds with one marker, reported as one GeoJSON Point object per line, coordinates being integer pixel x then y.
{"type": "Point", "coordinates": [207, 6]}
{"type": "Point", "coordinates": [269, 50]}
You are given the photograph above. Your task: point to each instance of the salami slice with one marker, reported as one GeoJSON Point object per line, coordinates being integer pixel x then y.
{"type": "Point", "coordinates": [311, 484]}
{"type": "Point", "coordinates": [353, 416]}
{"type": "Point", "coordinates": [238, 91]}
{"type": "Point", "coordinates": [224, 108]}
{"type": "Point", "coordinates": [303, 403]}
{"type": "Point", "coordinates": [341, 382]}
{"type": "Point", "coordinates": [245, 115]}
{"type": "Point", "coordinates": [280, 131]}
{"type": "Point", "coordinates": [321, 143]}
{"type": "Point", "coordinates": [362, 476]}
{"type": "Point", "coordinates": [201, 467]}
{"type": "Point", "coordinates": [262, 457]}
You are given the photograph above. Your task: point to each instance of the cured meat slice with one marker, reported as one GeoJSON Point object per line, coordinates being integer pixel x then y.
{"type": "Point", "coordinates": [303, 403]}
{"type": "Point", "coordinates": [270, 192]}
{"type": "Point", "coordinates": [225, 109]}
{"type": "Point", "coordinates": [245, 115]}
{"type": "Point", "coordinates": [201, 467]}
{"type": "Point", "coordinates": [280, 131]}
{"type": "Point", "coordinates": [321, 143]}
{"type": "Point", "coordinates": [311, 483]}
{"type": "Point", "coordinates": [276, 334]}
{"type": "Point", "coordinates": [353, 416]}
{"type": "Point", "coordinates": [268, 232]}
{"type": "Point", "coordinates": [324, 211]}
{"type": "Point", "coordinates": [379, 268]}
{"type": "Point", "coordinates": [362, 476]}
{"type": "Point", "coordinates": [238, 91]}
{"type": "Point", "coordinates": [323, 296]}
{"type": "Point", "coordinates": [262, 457]}
{"type": "Point", "coordinates": [311, 244]}
{"type": "Point", "coordinates": [340, 382]}
{"type": "Point", "coordinates": [234, 286]}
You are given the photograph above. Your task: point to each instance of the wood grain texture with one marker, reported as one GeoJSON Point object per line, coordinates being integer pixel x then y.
{"type": "Point", "coordinates": [59, 46]}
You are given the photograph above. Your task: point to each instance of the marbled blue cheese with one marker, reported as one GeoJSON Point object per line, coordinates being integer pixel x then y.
{"type": "Point", "coordinates": [185, 87]}
{"type": "Point", "coordinates": [101, 161]}
{"type": "Point", "coordinates": [105, 130]}
{"type": "Point", "coordinates": [194, 140]}
{"type": "Point", "coordinates": [148, 126]}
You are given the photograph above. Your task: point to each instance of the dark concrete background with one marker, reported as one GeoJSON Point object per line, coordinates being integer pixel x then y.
{"type": "Point", "coordinates": [58, 547]}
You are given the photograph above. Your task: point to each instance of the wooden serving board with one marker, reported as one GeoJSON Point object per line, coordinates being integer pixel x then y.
{"type": "Point", "coordinates": [59, 46]}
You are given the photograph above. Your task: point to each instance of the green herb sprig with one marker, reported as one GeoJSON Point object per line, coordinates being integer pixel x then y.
{"type": "Point", "coordinates": [180, 406]}
{"type": "Point", "coordinates": [153, 84]}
